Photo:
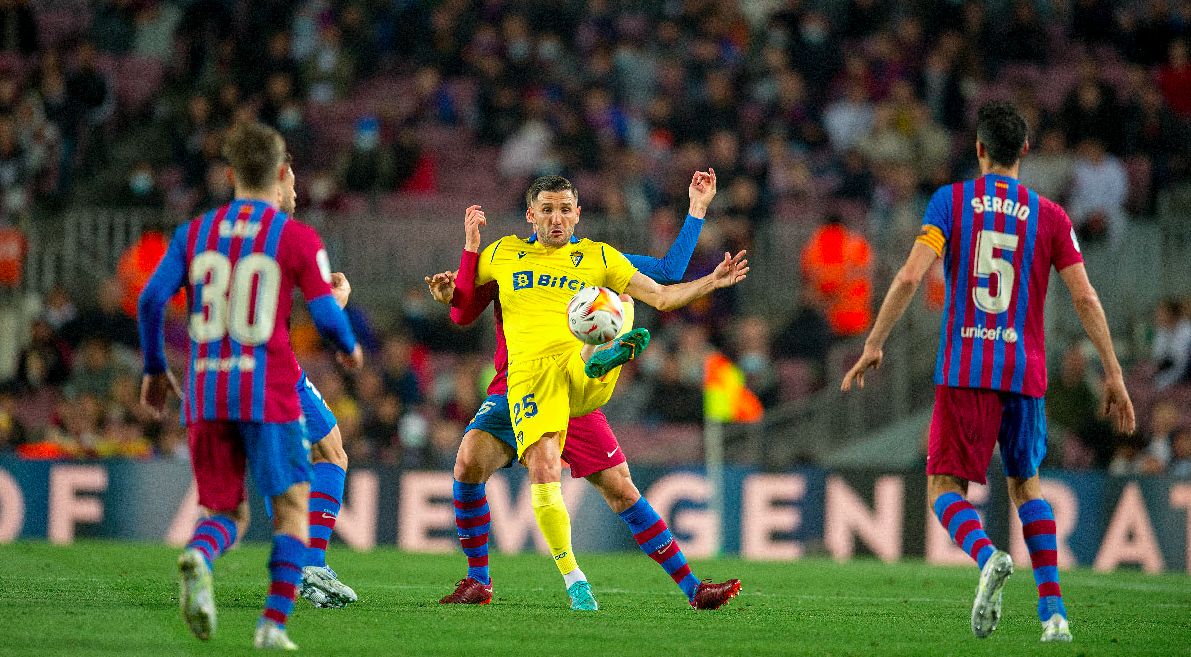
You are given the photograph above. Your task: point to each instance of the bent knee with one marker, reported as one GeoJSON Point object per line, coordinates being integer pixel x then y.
{"type": "Point", "coordinates": [469, 471]}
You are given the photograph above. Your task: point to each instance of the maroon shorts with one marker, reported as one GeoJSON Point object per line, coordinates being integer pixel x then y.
{"type": "Point", "coordinates": [276, 453]}
{"type": "Point", "coordinates": [218, 460]}
{"type": "Point", "coordinates": [590, 445]}
{"type": "Point", "coordinates": [968, 423]}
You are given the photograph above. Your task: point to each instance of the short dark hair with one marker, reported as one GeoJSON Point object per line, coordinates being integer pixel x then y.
{"type": "Point", "coordinates": [550, 184]}
{"type": "Point", "coordinates": [1002, 130]}
{"type": "Point", "coordinates": [255, 152]}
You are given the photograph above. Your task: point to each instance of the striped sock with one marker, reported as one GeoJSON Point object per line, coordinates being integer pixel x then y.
{"type": "Point", "coordinates": [285, 571]}
{"type": "Point", "coordinates": [212, 536]}
{"type": "Point", "coordinates": [656, 541]}
{"type": "Point", "coordinates": [326, 491]}
{"type": "Point", "coordinates": [1038, 528]}
{"type": "Point", "coordinates": [472, 522]}
{"type": "Point", "coordinates": [961, 521]}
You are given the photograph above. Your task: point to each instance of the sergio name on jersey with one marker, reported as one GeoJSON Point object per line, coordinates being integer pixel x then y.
{"type": "Point", "coordinates": [536, 282]}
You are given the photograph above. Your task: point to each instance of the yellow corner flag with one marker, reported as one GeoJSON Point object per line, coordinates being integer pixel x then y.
{"type": "Point", "coordinates": [725, 397]}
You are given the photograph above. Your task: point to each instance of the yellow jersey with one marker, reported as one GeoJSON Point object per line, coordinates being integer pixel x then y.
{"type": "Point", "coordinates": [537, 282]}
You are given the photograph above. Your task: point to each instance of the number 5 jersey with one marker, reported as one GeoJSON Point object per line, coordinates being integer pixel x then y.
{"type": "Point", "coordinates": [998, 240]}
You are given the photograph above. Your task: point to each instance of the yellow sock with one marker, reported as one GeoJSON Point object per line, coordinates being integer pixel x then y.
{"type": "Point", "coordinates": [555, 523]}
{"type": "Point", "coordinates": [630, 315]}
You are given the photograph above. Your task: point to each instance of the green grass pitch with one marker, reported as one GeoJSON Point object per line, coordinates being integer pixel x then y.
{"type": "Point", "coordinates": [101, 598]}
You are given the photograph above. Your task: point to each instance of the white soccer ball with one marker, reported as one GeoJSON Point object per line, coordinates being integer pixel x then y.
{"type": "Point", "coordinates": [595, 315]}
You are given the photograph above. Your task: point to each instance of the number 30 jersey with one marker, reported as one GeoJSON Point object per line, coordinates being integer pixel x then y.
{"type": "Point", "coordinates": [998, 240]}
{"type": "Point", "coordinates": [239, 264]}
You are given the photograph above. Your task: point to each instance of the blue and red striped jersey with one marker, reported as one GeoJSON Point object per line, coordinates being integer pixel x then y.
{"type": "Point", "coordinates": [239, 264]}
{"type": "Point", "coordinates": [998, 240]}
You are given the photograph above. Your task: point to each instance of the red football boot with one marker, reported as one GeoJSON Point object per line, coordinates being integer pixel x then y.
{"type": "Point", "coordinates": [710, 595]}
{"type": "Point", "coordinates": [471, 592]}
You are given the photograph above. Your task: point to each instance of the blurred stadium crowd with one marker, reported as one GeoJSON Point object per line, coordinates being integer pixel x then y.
{"type": "Point", "coordinates": [842, 116]}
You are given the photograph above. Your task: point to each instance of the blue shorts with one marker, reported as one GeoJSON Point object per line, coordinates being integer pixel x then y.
{"type": "Point", "coordinates": [968, 422]}
{"type": "Point", "coordinates": [493, 417]}
{"type": "Point", "coordinates": [277, 455]}
{"type": "Point", "coordinates": [317, 415]}
{"type": "Point", "coordinates": [1022, 436]}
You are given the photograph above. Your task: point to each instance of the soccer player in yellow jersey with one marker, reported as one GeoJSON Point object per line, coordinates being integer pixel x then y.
{"type": "Point", "coordinates": [552, 376]}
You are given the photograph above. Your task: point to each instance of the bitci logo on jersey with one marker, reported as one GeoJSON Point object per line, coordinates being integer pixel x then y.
{"type": "Point", "coordinates": [523, 280]}
{"type": "Point", "coordinates": [1009, 334]}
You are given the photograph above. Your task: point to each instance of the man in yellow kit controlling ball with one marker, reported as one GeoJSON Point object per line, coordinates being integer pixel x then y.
{"type": "Point", "coordinates": [552, 376]}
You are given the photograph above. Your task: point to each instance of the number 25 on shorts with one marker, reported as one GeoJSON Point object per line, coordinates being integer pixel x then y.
{"type": "Point", "coordinates": [527, 407]}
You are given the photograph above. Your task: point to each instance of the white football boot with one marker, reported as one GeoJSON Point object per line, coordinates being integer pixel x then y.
{"type": "Point", "coordinates": [986, 609]}
{"type": "Point", "coordinates": [321, 586]}
{"type": "Point", "coordinates": [1056, 629]}
{"type": "Point", "coordinates": [197, 594]}
{"type": "Point", "coordinates": [271, 637]}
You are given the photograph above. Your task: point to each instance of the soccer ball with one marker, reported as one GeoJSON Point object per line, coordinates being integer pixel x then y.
{"type": "Point", "coordinates": [595, 315]}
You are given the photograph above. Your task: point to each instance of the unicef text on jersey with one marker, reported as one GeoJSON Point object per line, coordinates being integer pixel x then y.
{"type": "Point", "coordinates": [1009, 334]}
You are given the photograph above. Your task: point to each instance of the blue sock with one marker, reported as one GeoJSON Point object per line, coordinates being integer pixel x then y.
{"type": "Point", "coordinates": [656, 541]}
{"type": "Point", "coordinates": [472, 523]}
{"type": "Point", "coordinates": [212, 537]}
{"type": "Point", "coordinates": [1038, 528]}
{"type": "Point", "coordinates": [326, 494]}
{"type": "Point", "coordinates": [962, 522]}
{"type": "Point", "coordinates": [285, 573]}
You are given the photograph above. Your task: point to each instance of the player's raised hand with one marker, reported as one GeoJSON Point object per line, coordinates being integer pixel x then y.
{"type": "Point", "coordinates": [701, 191]}
{"type": "Point", "coordinates": [473, 220]}
{"type": "Point", "coordinates": [869, 360]}
{"type": "Point", "coordinates": [341, 289]}
{"type": "Point", "coordinates": [442, 286]}
{"type": "Point", "coordinates": [155, 390]}
{"type": "Point", "coordinates": [352, 361]}
{"type": "Point", "coordinates": [1118, 406]}
{"type": "Point", "coordinates": [732, 270]}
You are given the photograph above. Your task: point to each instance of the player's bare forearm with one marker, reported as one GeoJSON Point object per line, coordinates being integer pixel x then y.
{"type": "Point", "coordinates": [901, 292]}
{"type": "Point", "coordinates": [673, 297]}
{"type": "Point", "coordinates": [1095, 324]}
{"type": "Point", "coordinates": [897, 300]}
{"type": "Point", "coordinates": [665, 298]}
{"type": "Point", "coordinates": [1091, 316]}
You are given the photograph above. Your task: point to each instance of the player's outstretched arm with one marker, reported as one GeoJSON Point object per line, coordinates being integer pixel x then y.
{"type": "Point", "coordinates": [671, 267]}
{"type": "Point", "coordinates": [166, 280]}
{"type": "Point", "coordinates": [897, 299]}
{"type": "Point", "coordinates": [729, 272]}
{"type": "Point", "coordinates": [1117, 404]}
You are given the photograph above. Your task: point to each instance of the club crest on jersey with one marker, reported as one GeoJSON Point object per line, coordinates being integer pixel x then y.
{"type": "Point", "coordinates": [576, 257]}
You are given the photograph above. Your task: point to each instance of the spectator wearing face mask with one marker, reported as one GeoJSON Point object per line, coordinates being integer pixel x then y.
{"type": "Point", "coordinates": [367, 167]}
{"type": "Point", "coordinates": [140, 189]}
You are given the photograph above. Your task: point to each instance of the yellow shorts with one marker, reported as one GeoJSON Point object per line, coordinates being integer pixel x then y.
{"type": "Point", "coordinates": [545, 393]}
